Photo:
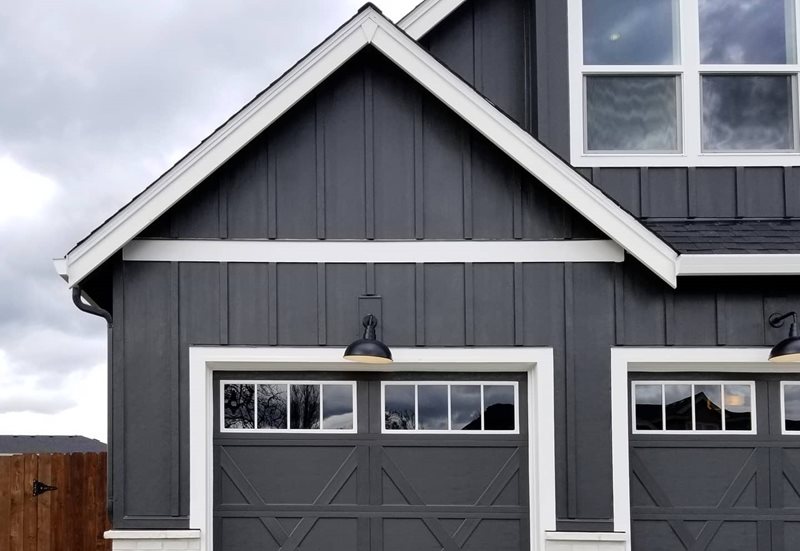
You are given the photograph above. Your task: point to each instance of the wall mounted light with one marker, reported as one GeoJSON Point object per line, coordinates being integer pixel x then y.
{"type": "Point", "coordinates": [368, 349]}
{"type": "Point", "coordinates": [788, 350]}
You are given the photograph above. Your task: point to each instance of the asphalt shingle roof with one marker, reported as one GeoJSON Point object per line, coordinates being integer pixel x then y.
{"type": "Point", "coordinates": [745, 236]}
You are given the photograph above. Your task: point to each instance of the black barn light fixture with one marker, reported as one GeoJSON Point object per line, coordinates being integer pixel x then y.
{"type": "Point", "coordinates": [369, 349]}
{"type": "Point", "coordinates": [788, 350]}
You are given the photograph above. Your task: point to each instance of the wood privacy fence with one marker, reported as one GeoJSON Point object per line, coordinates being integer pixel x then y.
{"type": "Point", "coordinates": [71, 518]}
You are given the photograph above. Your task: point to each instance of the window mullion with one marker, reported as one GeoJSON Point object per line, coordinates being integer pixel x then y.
{"type": "Point", "coordinates": [692, 112]}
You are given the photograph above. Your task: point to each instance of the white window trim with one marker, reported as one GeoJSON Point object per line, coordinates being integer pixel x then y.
{"type": "Point", "coordinates": [536, 362]}
{"type": "Point", "coordinates": [693, 431]}
{"type": "Point", "coordinates": [689, 100]}
{"type": "Point", "coordinates": [666, 360]}
{"type": "Point", "coordinates": [784, 384]}
{"type": "Point", "coordinates": [448, 384]}
{"type": "Point", "coordinates": [223, 429]}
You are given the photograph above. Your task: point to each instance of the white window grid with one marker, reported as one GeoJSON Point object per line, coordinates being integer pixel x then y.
{"type": "Point", "coordinates": [784, 384]}
{"type": "Point", "coordinates": [288, 429]}
{"type": "Point", "coordinates": [450, 430]}
{"type": "Point", "coordinates": [689, 74]}
{"type": "Point", "coordinates": [693, 383]}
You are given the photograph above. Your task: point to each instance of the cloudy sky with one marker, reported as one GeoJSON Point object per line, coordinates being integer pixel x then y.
{"type": "Point", "coordinates": [99, 98]}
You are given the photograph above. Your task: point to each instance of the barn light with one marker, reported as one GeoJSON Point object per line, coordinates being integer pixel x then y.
{"type": "Point", "coordinates": [788, 350]}
{"type": "Point", "coordinates": [369, 349]}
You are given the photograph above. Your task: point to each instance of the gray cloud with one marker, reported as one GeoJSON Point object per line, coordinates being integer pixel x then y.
{"type": "Point", "coordinates": [101, 97]}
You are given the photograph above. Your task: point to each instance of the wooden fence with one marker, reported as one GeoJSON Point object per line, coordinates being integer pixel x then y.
{"type": "Point", "coordinates": [71, 518]}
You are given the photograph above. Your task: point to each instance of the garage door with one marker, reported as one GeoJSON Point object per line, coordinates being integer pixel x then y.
{"type": "Point", "coordinates": [715, 462]}
{"type": "Point", "coordinates": [369, 462]}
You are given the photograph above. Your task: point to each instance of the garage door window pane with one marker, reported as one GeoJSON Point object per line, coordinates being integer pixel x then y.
{"type": "Point", "coordinates": [738, 409]}
{"type": "Point", "coordinates": [748, 112]}
{"type": "Point", "coordinates": [632, 113]}
{"type": "Point", "coordinates": [498, 407]}
{"type": "Point", "coordinates": [400, 408]}
{"type": "Point", "coordinates": [272, 406]}
{"type": "Point", "coordinates": [337, 407]}
{"type": "Point", "coordinates": [708, 413]}
{"type": "Point", "coordinates": [791, 407]}
{"type": "Point", "coordinates": [432, 407]}
{"type": "Point", "coordinates": [742, 32]}
{"type": "Point", "coordinates": [465, 407]}
{"type": "Point", "coordinates": [649, 410]}
{"type": "Point", "coordinates": [678, 408]}
{"type": "Point", "coordinates": [305, 406]}
{"type": "Point", "coordinates": [239, 406]}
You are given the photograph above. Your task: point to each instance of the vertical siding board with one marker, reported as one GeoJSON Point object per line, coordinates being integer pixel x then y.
{"type": "Point", "coordinates": [691, 191]}
{"type": "Point", "coordinates": [466, 171]}
{"type": "Point", "coordinates": [517, 199]}
{"type": "Point", "coordinates": [224, 306]}
{"type": "Point", "coordinates": [319, 165]}
{"type": "Point", "coordinates": [644, 192]}
{"type": "Point", "coordinates": [175, 385]}
{"type": "Point", "coordinates": [248, 304]}
{"type": "Point", "coordinates": [397, 286]}
{"type": "Point", "coordinates": [222, 190]}
{"type": "Point", "coordinates": [744, 322]}
{"type": "Point", "coordinates": [469, 304]}
{"type": "Point", "coordinates": [397, 153]}
{"type": "Point", "coordinates": [643, 306]}
{"type": "Point", "coordinates": [494, 304]}
{"type": "Point", "coordinates": [715, 192]}
{"type": "Point", "coordinates": [694, 316]}
{"type": "Point", "coordinates": [570, 395]}
{"type": "Point", "coordinates": [369, 155]}
{"type": "Point", "coordinates": [792, 191]}
{"type": "Point", "coordinates": [297, 304]}
{"type": "Point", "coordinates": [272, 294]}
{"type": "Point", "coordinates": [544, 304]}
{"type": "Point", "coordinates": [419, 291]}
{"type": "Point", "coordinates": [322, 316]}
{"type": "Point", "coordinates": [197, 215]}
{"type": "Point", "coordinates": [552, 75]}
{"type": "Point", "coordinates": [762, 192]}
{"type": "Point", "coordinates": [519, 305]}
{"type": "Point", "coordinates": [453, 42]}
{"type": "Point", "coordinates": [740, 207]}
{"type": "Point", "coordinates": [272, 193]}
{"type": "Point", "coordinates": [445, 307]}
{"type": "Point", "coordinates": [344, 283]}
{"type": "Point", "coordinates": [622, 184]}
{"type": "Point", "coordinates": [117, 397]}
{"type": "Point", "coordinates": [665, 193]}
{"type": "Point", "coordinates": [419, 169]}
{"type": "Point", "coordinates": [619, 304]}
{"type": "Point", "coordinates": [244, 203]}
{"type": "Point", "coordinates": [494, 187]}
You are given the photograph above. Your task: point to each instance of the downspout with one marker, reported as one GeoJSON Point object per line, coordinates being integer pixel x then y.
{"type": "Point", "coordinates": [97, 311]}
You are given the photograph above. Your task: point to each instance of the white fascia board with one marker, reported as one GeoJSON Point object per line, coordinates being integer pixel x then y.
{"type": "Point", "coordinates": [426, 16]}
{"type": "Point", "coordinates": [60, 264]}
{"type": "Point", "coordinates": [157, 250]}
{"type": "Point", "coordinates": [738, 264]}
{"type": "Point", "coordinates": [367, 27]}
{"type": "Point", "coordinates": [539, 161]}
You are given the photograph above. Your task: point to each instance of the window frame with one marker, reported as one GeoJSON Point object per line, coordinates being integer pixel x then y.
{"type": "Point", "coordinates": [288, 429]}
{"type": "Point", "coordinates": [417, 431]}
{"type": "Point", "coordinates": [689, 72]}
{"type": "Point", "coordinates": [784, 430]}
{"type": "Point", "coordinates": [693, 431]}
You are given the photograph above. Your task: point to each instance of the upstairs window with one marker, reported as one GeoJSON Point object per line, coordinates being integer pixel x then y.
{"type": "Point", "coordinates": [683, 83]}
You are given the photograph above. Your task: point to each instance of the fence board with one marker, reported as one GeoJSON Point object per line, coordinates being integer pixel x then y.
{"type": "Point", "coordinates": [71, 518]}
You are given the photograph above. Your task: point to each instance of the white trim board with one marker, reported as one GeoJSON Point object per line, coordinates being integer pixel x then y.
{"type": "Point", "coordinates": [370, 27]}
{"type": "Point", "coordinates": [666, 360]}
{"type": "Point", "coordinates": [738, 264]}
{"type": "Point", "coordinates": [537, 362]}
{"type": "Point", "coordinates": [426, 16]}
{"type": "Point", "coordinates": [157, 250]}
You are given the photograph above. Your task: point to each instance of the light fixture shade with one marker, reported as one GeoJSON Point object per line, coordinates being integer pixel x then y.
{"type": "Point", "coordinates": [368, 349]}
{"type": "Point", "coordinates": [788, 350]}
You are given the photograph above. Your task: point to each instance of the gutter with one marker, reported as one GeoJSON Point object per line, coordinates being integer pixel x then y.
{"type": "Point", "coordinates": [91, 308]}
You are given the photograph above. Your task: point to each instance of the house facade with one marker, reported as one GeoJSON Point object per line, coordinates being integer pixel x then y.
{"type": "Point", "coordinates": [572, 225]}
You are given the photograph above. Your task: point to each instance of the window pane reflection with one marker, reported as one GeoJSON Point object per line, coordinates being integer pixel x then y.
{"type": "Point", "coordinates": [399, 407]}
{"type": "Point", "coordinates": [708, 410]}
{"type": "Point", "coordinates": [432, 407]}
{"type": "Point", "coordinates": [747, 112]}
{"type": "Point", "coordinates": [337, 407]}
{"type": "Point", "coordinates": [737, 407]}
{"type": "Point", "coordinates": [791, 407]}
{"type": "Point", "coordinates": [631, 113]}
{"type": "Point", "coordinates": [648, 407]}
{"type": "Point", "coordinates": [272, 406]}
{"type": "Point", "coordinates": [305, 406]}
{"type": "Point", "coordinates": [678, 399]}
{"type": "Point", "coordinates": [630, 32]}
{"type": "Point", "coordinates": [745, 31]}
{"type": "Point", "coordinates": [239, 406]}
{"type": "Point", "coordinates": [498, 407]}
{"type": "Point", "coordinates": [465, 406]}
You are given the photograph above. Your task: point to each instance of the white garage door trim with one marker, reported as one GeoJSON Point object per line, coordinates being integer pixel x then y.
{"type": "Point", "coordinates": [666, 360]}
{"type": "Point", "coordinates": [536, 362]}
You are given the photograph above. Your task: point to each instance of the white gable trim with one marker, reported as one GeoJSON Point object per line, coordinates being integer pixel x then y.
{"type": "Point", "coordinates": [426, 16]}
{"type": "Point", "coordinates": [739, 264]}
{"type": "Point", "coordinates": [369, 26]}
{"type": "Point", "coordinates": [389, 252]}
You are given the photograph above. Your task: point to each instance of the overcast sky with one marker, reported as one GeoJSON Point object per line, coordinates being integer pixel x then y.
{"type": "Point", "coordinates": [98, 99]}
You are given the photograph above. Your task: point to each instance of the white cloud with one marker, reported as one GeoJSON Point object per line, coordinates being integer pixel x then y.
{"type": "Point", "coordinates": [25, 193]}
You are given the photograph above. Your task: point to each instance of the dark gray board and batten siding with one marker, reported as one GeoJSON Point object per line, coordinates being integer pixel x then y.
{"type": "Point", "coordinates": [412, 171]}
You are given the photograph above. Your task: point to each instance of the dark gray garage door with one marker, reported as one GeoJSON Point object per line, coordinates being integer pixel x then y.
{"type": "Point", "coordinates": [411, 462]}
{"type": "Point", "coordinates": [711, 465]}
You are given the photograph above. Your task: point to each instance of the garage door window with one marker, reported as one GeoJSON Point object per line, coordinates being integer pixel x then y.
{"type": "Point", "coordinates": [440, 407]}
{"type": "Point", "coordinates": [288, 406]}
{"type": "Point", "coordinates": [703, 407]}
{"type": "Point", "coordinates": [790, 407]}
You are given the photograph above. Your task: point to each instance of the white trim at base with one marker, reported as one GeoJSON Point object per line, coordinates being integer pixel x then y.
{"type": "Point", "coordinates": [586, 536]}
{"type": "Point", "coordinates": [665, 360]}
{"type": "Point", "coordinates": [197, 250]}
{"type": "Point", "coordinates": [151, 534]}
{"type": "Point", "coordinates": [537, 362]}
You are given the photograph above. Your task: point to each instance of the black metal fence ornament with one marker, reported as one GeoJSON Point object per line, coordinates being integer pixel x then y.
{"type": "Point", "coordinates": [40, 487]}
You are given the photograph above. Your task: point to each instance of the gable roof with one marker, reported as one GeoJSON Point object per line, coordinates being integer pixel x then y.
{"type": "Point", "coordinates": [370, 27]}
{"type": "Point", "coordinates": [49, 444]}
{"type": "Point", "coordinates": [721, 236]}
{"type": "Point", "coordinates": [426, 16]}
